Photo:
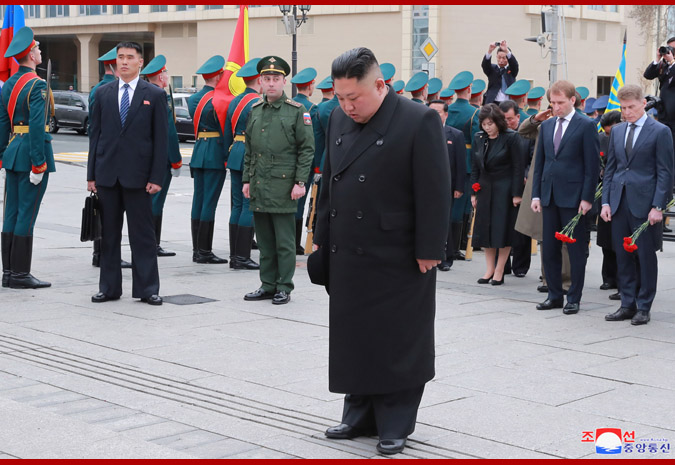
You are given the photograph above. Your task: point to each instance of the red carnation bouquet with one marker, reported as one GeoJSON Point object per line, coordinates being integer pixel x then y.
{"type": "Point", "coordinates": [566, 235]}
{"type": "Point", "coordinates": [475, 187]}
{"type": "Point", "coordinates": [629, 242]}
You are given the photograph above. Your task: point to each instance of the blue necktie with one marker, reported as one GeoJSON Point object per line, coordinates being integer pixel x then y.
{"type": "Point", "coordinates": [124, 106]}
{"type": "Point", "coordinates": [502, 72]}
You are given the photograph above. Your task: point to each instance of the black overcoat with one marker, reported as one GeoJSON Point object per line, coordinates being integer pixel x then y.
{"type": "Point", "coordinates": [385, 202]}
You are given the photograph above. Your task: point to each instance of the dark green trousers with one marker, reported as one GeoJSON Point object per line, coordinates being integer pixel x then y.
{"type": "Point", "coordinates": [22, 203]}
{"type": "Point", "coordinates": [241, 213]}
{"type": "Point", "coordinates": [208, 184]}
{"type": "Point", "coordinates": [159, 198]}
{"type": "Point", "coordinates": [276, 241]}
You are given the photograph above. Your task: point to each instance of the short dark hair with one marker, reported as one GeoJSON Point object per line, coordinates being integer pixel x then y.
{"type": "Point", "coordinates": [610, 118]}
{"type": "Point", "coordinates": [492, 111]}
{"type": "Point", "coordinates": [672, 39]}
{"type": "Point", "coordinates": [135, 45]}
{"type": "Point", "coordinates": [507, 105]}
{"type": "Point", "coordinates": [354, 63]}
{"type": "Point", "coordinates": [442, 102]}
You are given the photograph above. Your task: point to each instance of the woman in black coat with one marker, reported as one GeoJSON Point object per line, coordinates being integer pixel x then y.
{"type": "Point", "coordinates": [497, 180]}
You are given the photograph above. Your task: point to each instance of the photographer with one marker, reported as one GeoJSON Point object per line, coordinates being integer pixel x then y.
{"type": "Point", "coordinates": [663, 69]}
{"type": "Point", "coordinates": [501, 75]}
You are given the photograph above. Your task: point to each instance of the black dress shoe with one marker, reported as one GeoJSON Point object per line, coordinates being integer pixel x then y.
{"type": "Point", "coordinates": [607, 286]}
{"type": "Point", "coordinates": [391, 446]}
{"type": "Point", "coordinates": [101, 297]}
{"type": "Point", "coordinates": [152, 300]}
{"type": "Point", "coordinates": [519, 274]}
{"type": "Point", "coordinates": [164, 253]}
{"type": "Point", "coordinates": [96, 260]}
{"type": "Point", "coordinates": [484, 280]}
{"type": "Point", "coordinates": [640, 318]}
{"type": "Point", "coordinates": [549, 304]}
{"type": "Point", "coordinates": [615, 296]}
{"type": "Point", "coordinates": [571, 308]}
{"type": "Point", "coordinates": [281, 297]}
{"type": "Point", "coordinates": [494, 282]}
{"type": "Point", "coordinates": [243, 263]}
{"type": "Point", "coordinates": [542, 288]}
{"type": "Point", "coordinates": [458, 256]}
{"type": "Point", "coordinates": [344, 431]}
{"type": "Point", "coordinates": [623, 313]}
{"type": "Point", "coordinates": [444, 266]}
{"type": "Point", "coordinates": [125, 264]}
{"type": "Point", "coordinates": [260, 294]}
{"type": "Point", "coordinates": [209, 257]}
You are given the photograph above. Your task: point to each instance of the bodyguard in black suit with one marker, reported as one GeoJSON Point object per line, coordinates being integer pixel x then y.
{"type": "Point", "coordinates": [638, 184]}
{"type": "Point", "coordinates": [501, 75]}
{"type": "Point", "coordinates": [383, 214]}
{"type": "Point", "coordinates": [565, 178]}
{"type": "Point", "coordinates": [663, 69]}
{"type": "Point", "coordinates": [127, 163]}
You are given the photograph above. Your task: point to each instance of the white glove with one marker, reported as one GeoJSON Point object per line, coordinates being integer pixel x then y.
{"type": "Point", "coordinates": [2, 173]}
{"type": "Point", "coordinates": [317, 177]}
{"type": "Point", "coordinates": [175, 172]}
{"type": "Point", "coordinates": [36, 178]}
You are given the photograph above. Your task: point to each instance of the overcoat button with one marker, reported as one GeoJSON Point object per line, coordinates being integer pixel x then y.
{"type": "Point", "coordinates": [379, 142]}
{"type": "Point", "coordinates": [333, 248]}
{"type": "Point", "coordinates": [362, 178]}
{"type": "Point", "coordinates": [338, 141]}
{"type": "Point", "coordinates": [333, 213]}
{"type": "Point", "coordinates": [336, 178]}
{"type": "Point", "coordinates": [359, 215]}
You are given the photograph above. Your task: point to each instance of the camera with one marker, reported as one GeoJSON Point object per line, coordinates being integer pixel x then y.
{"type": "Point", "coordinates": [497, 44]}
{"type": "Point", "coordinates": [654, 102]}
{"type": "Point", "coordinates": [665, 49]}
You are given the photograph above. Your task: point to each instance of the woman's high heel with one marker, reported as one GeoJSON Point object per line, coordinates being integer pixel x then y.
{"type": "Point", "coordinates": [485, 280]}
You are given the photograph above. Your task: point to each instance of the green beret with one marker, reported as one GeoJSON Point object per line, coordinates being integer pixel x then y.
{"type": "Point", "coordinates": [155, 66]}
{"type": "Point", "coordinates": [518, 88]}
{"type": "Point", "coordinates": [273, 65]}
{"type": "Point", "coordinates": [536, 93]}
{"type": "Point", "coordinates": [417, 82]}
{"type": "Point", "coordinates": [249, 70]}
{"type": "Point", "coordinates": [435, 85]}
{"type": "Point", "coordinates": [583, 92]}
{"type": "Point", "coordinates": [388, 71]}
{"type": "Point", "coordinates": [326, 84]}
{"type": "Point", "coordinates": [212, 66]}
{"type": "Point", "coordinates": [305, 76]}
{"type": "Point", "coordinates": [110, 56]}
{"type": "Point", "coordinates": [477, 86]}
{"type": "Point", "coordinates": [462, 80]}
{"type": "Point", "coordinates": [21, 43]}
{"type": "Point", "coordinates": [398, 86]}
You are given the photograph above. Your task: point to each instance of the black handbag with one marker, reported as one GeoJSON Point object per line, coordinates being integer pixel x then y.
{"type": "Point", "coordinates": [91, 219]}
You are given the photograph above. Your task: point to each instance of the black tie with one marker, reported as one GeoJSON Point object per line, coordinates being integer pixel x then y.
{"type": "Point", "coordinates": [629, 141]}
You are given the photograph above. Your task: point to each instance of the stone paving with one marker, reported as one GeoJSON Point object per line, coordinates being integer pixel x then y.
{"type": "Point", "coordinates": [237, 379]}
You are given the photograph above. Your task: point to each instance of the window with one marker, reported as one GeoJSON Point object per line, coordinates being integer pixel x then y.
{"type": "Point", "coordinates": [57, 11]}
{"type": "Point", "coordinates": [670, 15]}
{"type": "Point", "coordinates": [613, 8]}
{"type": "Point", "coordinates": [604, 85]}
{"type": "Point", "coordinates": [93, 10]}
{"type": "Point", "coordinates": [176, 81]}
{"type": "Point", "coordinates": [133, 9]}
{"type": "Point", "coordinates": [420, 32]}
{"type": "Point", "coordinates": [186, 7]}
{"type": "Point", "coordinates": [158, 8]}
{"type": "Point", "coordinates": [213, 7]}
{"type": "Point", "coordinates": [596, 7]}
{"type": "Point", "coordinates": [117, 9]}
{"type": "Point", "coordinates": [32, 11]}
{"type": "Point", "coordinates": [194, 81]}
{"type": "Point", "coordinates": [182, 112]}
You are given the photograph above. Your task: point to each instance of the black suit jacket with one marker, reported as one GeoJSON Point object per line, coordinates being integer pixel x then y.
{"type": "Point", "coordinates": [457, 156]}
{"type": "Point", "coordinates": [136, 153]}
{"type": "Point", "coordinates": [571, 175]}
{"type": "Point", "coordinates": [495, 80]}
{"type": "Point", "coordinates": [664, 74]}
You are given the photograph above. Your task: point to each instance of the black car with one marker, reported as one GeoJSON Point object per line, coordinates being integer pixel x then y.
{"type": "Point", "coordinates": [71, 111]}
{"type": "Point", "coordinates": [184, 125]}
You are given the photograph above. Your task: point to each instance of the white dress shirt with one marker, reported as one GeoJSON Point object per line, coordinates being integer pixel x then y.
{"type": "Point", "coordinates": [132, 88]}
{"type": "Point", "coordinates": [636, 132]}
{"type": "Point", "coordinates": [566, 122]}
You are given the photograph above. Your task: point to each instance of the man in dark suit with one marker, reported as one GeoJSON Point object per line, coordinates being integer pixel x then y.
{"type": "Point", "coordinates": [127, 164]}
{"type": "Point", "coordinates": [383, 216]}
{"type": "Point", "coordinates": [565, 177]}
{"type": "Point", "coordinates": [638, 184]}
{"type": "Point", "coordinates": [501, 75]}
{"type": "Point", "coordinates": [662, 69]}
{"type": "Point", "coordinates": [456, 143]}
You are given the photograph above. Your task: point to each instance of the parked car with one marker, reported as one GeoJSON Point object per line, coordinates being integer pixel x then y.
{"type": "Point", "coordinates": [71, 111]}
{"type": "Point", "coordinates": [184, 125]}
{"type": "Point", "coordinates": [180, 99]}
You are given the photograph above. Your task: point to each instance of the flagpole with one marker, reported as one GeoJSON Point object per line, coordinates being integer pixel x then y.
{"type": "Point", "coordinates": [294, 51]}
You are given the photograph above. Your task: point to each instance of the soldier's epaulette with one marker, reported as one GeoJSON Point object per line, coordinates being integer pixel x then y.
{"type": "Point", "coordinates": [294, 103]}
{"type": "Point", "coordinates": [258, 103]}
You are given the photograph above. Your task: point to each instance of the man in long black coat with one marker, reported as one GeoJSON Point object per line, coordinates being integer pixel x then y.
{"type": "Point", "coordinates": [383, 222]}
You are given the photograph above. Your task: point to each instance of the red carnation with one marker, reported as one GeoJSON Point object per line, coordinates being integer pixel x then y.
{"type": "Point", "coordinates": [602, 154]}
{"type": "Point", "coordinates": [571, 240]}
{"type": "Point", "coordinates": [475, 187]}
{"type": "Point", "coordinates": [627, 240]}
{"type": "Point", "coordinates": [630, 248]}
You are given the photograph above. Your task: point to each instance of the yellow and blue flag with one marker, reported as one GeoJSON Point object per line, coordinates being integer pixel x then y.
{"type": "Point", "coordinates": [619, 79]}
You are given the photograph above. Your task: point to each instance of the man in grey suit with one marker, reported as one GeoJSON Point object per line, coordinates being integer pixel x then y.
{"type": "Point", "coordinates": [638, 184]}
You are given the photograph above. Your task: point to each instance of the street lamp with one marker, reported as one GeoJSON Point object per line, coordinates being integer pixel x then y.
{"type": "Point", "coordinates": [292, 23]}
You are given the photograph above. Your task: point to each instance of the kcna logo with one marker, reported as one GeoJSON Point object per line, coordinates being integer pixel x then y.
{"type": "Point", "coordinates": [608, 440]}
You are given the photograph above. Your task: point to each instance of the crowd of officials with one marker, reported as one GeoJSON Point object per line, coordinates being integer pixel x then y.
{"type": "Point", "coordinates": [403, 186]}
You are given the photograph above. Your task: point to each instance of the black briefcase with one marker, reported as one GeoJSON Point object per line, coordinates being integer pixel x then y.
{"type": "Point", "coordinates": [318, 266]}
{"type": "Point", "coordinates": [91, 219]}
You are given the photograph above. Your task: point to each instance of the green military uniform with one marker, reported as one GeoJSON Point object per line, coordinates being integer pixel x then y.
{"type": "Point", "coordinates": [27, 158]}
{"type": "Point", "coordinates": [279, 152]}
{"type": "Point", "coordinates": [518, 90]}
{"type": "Point", "coordinates": [241, 217]}
{"type": "Point", "coordinates": [477, 87]}
{"type": "Point", "coordinates": [175, 160]}
{"type": "Point", "coordinates": [533, 97]}
{"type": "Point", "coordinates": [583, 94]}
{"type": "Point", "coordinates": [207, 166]}
{"type": "Point", "coordinates": [325, 86]}
{"type": "Point", "coordinates": [417, 83]}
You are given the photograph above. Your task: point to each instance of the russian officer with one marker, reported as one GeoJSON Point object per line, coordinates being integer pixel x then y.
{"type": "Point", "coordinates": [388, 71]}
{"type": "Point", "coordinates": [398, 86]}
{"type": "Point", "coordinates": [418, 87]}
{"type": "Point", "coordinates": [534, 98]}
{"type": "Point", "coordinates": [326, 88]}
{"type": "Point", "coordinates": [583, 95]}
{"type": "Point", "coordinates": [435, 86]}
{"type": "Point", "coordinates": [447, 95]}
{"type": "Point", "coordinates": [518, 93]}
{"type": "Point", "coordinates": [477, 90]}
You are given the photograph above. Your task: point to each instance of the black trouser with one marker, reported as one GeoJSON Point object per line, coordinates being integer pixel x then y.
{"type": "Point", "coordinates": [392, 415]}
{"type": "Point", "coordinates": [138, 206]}
{"type": "Point", "coordinates": [522, 253]}
{"type": "Point", "coordinates": [609, 266]}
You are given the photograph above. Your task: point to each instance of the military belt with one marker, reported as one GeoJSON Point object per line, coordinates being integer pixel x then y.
{"type": "Point", "coordinates": [240, 138]}
{"type": "Point", "coordinates": [24, 129]}
{"type": "Point", "coordinates": [208, 134]}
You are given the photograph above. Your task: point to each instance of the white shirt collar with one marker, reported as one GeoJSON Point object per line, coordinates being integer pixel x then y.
{"type": "Point", "coordinates": [132, 84]}
{"type": "Point", "coordinates": [569, 116]}
{"type": "Point", "coordinates": [640, 122]}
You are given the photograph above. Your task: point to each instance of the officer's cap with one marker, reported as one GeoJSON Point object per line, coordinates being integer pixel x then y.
{"type": "Point", "coordinates": [273, 65]}
{"type": "Point", "coordinates": [388, 71]}
{"type": "Point", "coordinates": [21, 44]}
{"type": "Point", "coordinates": [156, 66]}
{"type": "Point", "coordinates": [447, 93]}
{"type": "Point", "coordinates": [536, 93]}
{"type": "Point", "coordinates": [583, 92]}
{"type": "Point", "coordinates": [601, 103]}
{"type": "Point", "coordinates": [518, 88]}
{"type": "Point", "coordinates": [212, 67]}
{"type": "Point", "coordinates": [417, 82]}
{"type": "Point", "coordinates": [249, 71]}
{"type": "Point", "coordinates": [477, 86]}
{"type": "Point", "coordinates": [109, 58]}
{"type": "Point", "coordinates": [588, 108]}
{"type": "Point", "coordinates": [304, 77]}
{"type": "Point", "coordinates": [462, 80]}
{"type": "Point", "coordinates": [435, 85]}
{"type": "Point", "coordinates": [398, 86]}
{"type": "Point", "coordinates": [326, 84]}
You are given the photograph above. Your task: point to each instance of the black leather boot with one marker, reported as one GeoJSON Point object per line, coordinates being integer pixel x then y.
{"type": "Point", "coordinates": [22, 254]}
{"type": "Point", "coordinates": [205, 238]}
{"type": "Point", "coordinates": [299, 250]}
{"type": "Point", "coordinates": [233, 243]}
{"type": "Point", "coordinates": [242, 259]}
{"type": "Point", "coordinates": [96, 254]}
{"type": "Point", "coordinates": [194, 226]}
{"type": "Point", "coordinates": [158, 237]}
{"type": "Point", "coordinates": [6, 257]}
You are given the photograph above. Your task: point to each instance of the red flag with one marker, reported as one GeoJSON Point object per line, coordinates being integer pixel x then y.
{"type": "Point", "coordinates": [231, 85]}
{"type": "Point", "coordinates": [14, 20]}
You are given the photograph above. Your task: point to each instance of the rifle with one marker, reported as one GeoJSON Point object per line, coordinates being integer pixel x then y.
{"type": "Point", "coordinates": [48, 97]}
{"type": "Point", "coordinates": [311, 219]}
{"type": "Point", "coordinates": [173, 112]}
{"type": "Point", "coordinates": [469, 238]}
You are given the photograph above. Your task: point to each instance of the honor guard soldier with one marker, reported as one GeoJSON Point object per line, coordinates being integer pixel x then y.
{"type": "Point", "coordinates": [417, 86]}
{"type": "Point", "coordinates": [583, 95]}
{"type": "Point", "coordinates": [477, 89]}
{"type": "Point", "coordinates": [304, 81]}
{"type": "Point", "coordinates": [518, 93]}
{"type": "Point", "coordinates": [534, 98]}
{"type": "Point", "coordinates": [157, 74]}
{"type": "Point", "coordinates": [588, 109]}
{"type": "Point", "coordinates": [447, 95]}
{"type": "Point", "coordinates": [27, 158]}
{"type": "Point", "coordinates": [398, 86]}
{"type": "Point", "coordinates": [388, 72]}
{"type": "Point", "coordinates": [463, 116]}
{"type": "Point", "coordinates": [208, 163]}
{"type": "Point", "coordinates": [324, 111]}
{"type": "Point", "coordinates": [279, 152]}
{"type": "Point", "coordinates": [434, 89]}
{"type": "Point", "coordinates": [241, 218]}
{"type": "Point", "coordinates": [600, 106]}
{"type": "Point", "coordinates": [326, 88]}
